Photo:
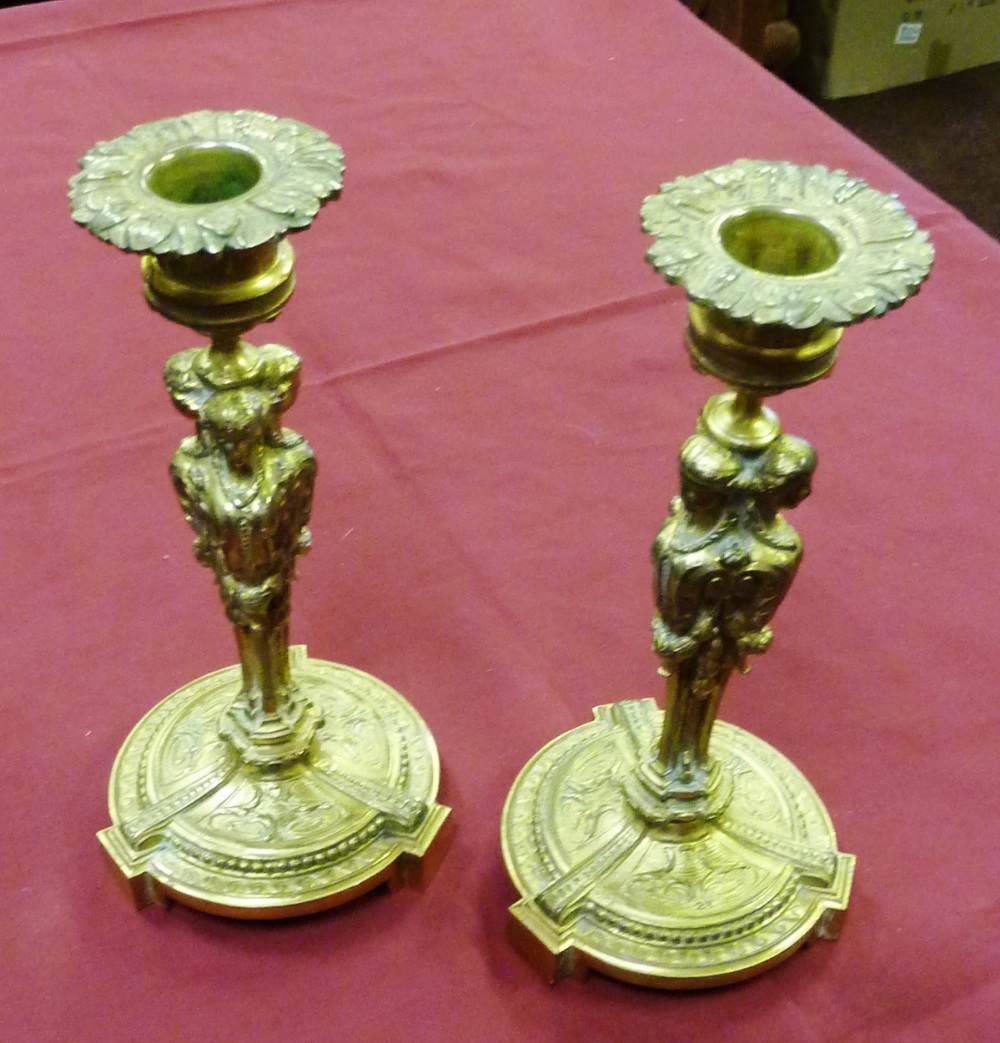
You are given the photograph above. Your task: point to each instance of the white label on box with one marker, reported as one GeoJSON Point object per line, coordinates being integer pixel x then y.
{"type": "Point", "coordinates": [909, 32]}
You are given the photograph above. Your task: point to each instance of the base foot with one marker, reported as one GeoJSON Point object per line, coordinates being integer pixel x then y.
{"type": "Point", "coordinates": [195, 823]}
{"type": "Point", "coordinates": [678, 906]}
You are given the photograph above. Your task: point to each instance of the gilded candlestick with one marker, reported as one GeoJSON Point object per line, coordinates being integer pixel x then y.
{"type": "Point", "coordinates": [285, 784]}
{"type": "Point", "coordinates": [665, 847]}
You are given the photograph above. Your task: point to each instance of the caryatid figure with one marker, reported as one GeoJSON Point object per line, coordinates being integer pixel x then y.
{"type": "Point", "coordinates": [723, 561]}
{"type": "Point", "coordinates": [245, 484]}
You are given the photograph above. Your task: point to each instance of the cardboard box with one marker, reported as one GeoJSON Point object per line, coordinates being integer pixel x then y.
{"type": "Point", "coordinates": [860, 46]}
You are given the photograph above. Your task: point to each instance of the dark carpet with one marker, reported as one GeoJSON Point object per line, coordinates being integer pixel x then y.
{"type": "Point", "coordinates": [943, 132]}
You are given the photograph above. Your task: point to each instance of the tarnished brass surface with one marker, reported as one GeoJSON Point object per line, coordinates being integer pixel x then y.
{"type": "Point", "coordinates": [670, 849]}
{"type": "Point", "coordinates": [197, 821]}
{"type": "Point", "coordinates": [286, 784]}
{"type": "Point", "coordinates": [678, 904]}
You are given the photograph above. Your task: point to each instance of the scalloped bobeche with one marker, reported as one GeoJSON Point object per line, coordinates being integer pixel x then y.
{"type": "Point", "coordinates": [881, 257]}
{"type": "Point", "coordinates": [294, 170]}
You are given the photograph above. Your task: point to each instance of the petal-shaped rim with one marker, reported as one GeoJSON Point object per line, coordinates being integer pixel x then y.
{"type": "Point", "coordinates": [299, 169]}
{"type": "Point", "coordinates": [880, 256]}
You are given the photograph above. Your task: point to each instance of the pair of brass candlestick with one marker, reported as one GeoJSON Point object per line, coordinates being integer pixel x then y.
{"type": "Point", "coordinates": [663, 848]}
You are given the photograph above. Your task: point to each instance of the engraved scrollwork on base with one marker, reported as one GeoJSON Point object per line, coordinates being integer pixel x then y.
{"type": "Point", "coordinates": [243, 844]}
{"type": "Point", "coordinates": [670, 907]}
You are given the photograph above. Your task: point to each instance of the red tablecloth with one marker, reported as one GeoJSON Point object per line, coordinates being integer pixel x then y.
{"type": "Point", "coordinates": [496, 388]}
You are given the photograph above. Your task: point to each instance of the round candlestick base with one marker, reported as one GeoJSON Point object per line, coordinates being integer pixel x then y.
{"type": "Point", "coordinates": [196, 823]}
{"type": "Point", "coordinates": [676, 905]}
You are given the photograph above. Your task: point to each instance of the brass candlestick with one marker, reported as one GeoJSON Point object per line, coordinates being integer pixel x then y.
{"type": "Point", "coordinates": [669, 849]}
{"type": "Point", "coordinates": [285, 784]}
